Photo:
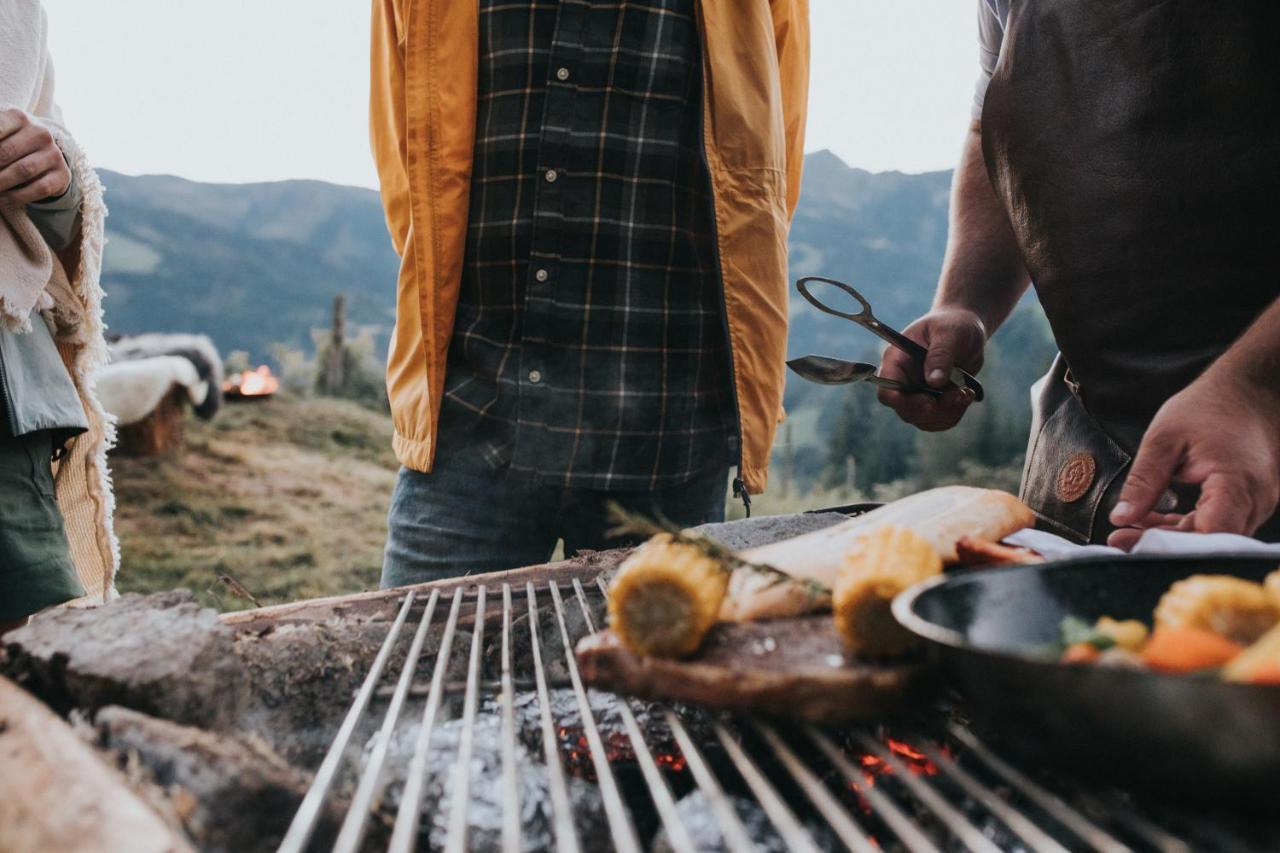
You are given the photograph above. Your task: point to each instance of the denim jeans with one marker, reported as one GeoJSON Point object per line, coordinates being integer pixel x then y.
{"type": "Point", "coordinates": [465, 518]}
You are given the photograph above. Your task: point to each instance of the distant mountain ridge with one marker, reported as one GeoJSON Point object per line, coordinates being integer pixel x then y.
{"type": "Point", "coordinates": [252, 264]}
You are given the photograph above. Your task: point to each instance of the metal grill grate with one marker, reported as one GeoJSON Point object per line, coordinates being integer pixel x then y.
{"type": "Point", "coordinates": [760, 784]}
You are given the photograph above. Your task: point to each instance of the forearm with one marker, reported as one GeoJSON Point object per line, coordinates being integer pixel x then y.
{"type": "Point", "coordinates": [1253, 361]}
{"type": "Point", "coordinates": [983, 270]}
{"type": "Point", "coordinates": [58, 219]}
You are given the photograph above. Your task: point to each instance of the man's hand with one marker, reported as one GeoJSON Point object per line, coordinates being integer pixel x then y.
{"type": "Point", "coordinates": [1219, 433]}
{"type": "Point", "coordinates": [955, 337]}
{"type": "Point", "coordinates": [32, 167]}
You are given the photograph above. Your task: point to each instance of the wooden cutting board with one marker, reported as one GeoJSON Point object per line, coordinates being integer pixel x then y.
{"type": "Point", "coordinates": [793, 668]}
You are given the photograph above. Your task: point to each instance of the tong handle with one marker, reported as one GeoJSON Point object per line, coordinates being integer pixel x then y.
{"type": "Point", "coordinates": [918, 354]}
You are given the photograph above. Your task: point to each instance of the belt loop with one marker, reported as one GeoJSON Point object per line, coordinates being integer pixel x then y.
{"type": "Point", "coordinates": [740, 492]}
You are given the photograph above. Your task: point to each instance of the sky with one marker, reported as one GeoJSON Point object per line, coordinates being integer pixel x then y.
{"type": "Point", "coordinates": [262, 90]}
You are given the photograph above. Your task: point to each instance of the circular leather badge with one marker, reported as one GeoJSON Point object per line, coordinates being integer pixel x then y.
{"type": "Point", "coordinates": [1076, 476]}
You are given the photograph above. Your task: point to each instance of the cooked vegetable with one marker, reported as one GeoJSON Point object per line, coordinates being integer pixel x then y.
{"type": "Point", "coordinates": [1081, 653]}
{"type": "Point", "coordinates": [1129, 634]}
{"type": "Point", "coordinates": [881, 564]}
{"type": "Point", "coordinates": [1236, 609]}
{"type": "Point", "coordinates": [1076, 632]}
{"type": "Point", "coordinates": [666, 598]}
{"type": "Point", "coordinates": [1181, 650]}
{"type": "Point", "coordinates": [1258, 664]}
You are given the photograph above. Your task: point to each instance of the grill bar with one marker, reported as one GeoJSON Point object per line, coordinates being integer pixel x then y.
{"type": "Point", "coordinates": [1010, 816]}
{"type": "Point", "coordinates": [677, 835]}
{"type": "Point", "coordinates": [792, 831]}
{"type": "Point", "coordinates": [304, 821]}
{"type": "Point", "coordinates": [731, 828]}
{"type": "Point", "coordinates": [456, 841]}
{"type": "Point", "coordinates": [888, 811]}
{"type": "Point", "coordinates": [566, 836]}
{"type": "Point", "coordinates": [1064, 814]}
{"type": "Point", "coordinates": [624, 834]}
{"type": "Point", "coordinates": [406, 830]}
{"type": "Point", "coordinates": [969, 834]}
{"type": "Point", "coordinates": [353, 827]}
{"type": "Point", "coordinates": [511, 842]}
{"type": "Point", "coordinates": [840, 820]}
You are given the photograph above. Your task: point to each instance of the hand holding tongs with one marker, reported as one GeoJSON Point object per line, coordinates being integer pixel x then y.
{"type": "Point", "coordinates": [832, 371]}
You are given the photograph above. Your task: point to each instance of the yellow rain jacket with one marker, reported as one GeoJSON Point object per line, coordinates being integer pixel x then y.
{"type": "Point", "coordinates": [422, 118]}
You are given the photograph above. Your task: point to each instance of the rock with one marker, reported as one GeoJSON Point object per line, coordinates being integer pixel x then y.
{"type": "Point", "coordinates": [232, 792]}
{"type": "Point", "coordinates": [162, 654]}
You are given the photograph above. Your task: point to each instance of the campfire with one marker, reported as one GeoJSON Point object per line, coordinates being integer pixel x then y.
{"type": "Point", "coordinates": [258, 384]}
{"type": "Point", "coordinates": [453, 717]}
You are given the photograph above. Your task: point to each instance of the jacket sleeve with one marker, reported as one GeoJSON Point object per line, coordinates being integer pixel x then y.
{"type": "Point", "coordinates": [791, 36]}
{"type": "Point", "coordinates": [387, 119]}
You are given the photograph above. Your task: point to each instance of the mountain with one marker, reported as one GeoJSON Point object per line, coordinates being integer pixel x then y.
{"type": "Point", "coordinates": [247, 264]}
{"type": "Point", "coordinates": [252, 264]}
{"type": "Point", "coordinates": [256, 264]}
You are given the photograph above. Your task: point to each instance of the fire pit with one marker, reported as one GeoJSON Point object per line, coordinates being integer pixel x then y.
{"type": "Point", "coordinates": [452, 716]}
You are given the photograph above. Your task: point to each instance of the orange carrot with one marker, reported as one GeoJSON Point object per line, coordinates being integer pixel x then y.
{"type": "Point", "coordinates": [1081, 653]}
{"type": "Point", "coordinates": [1187, 650]}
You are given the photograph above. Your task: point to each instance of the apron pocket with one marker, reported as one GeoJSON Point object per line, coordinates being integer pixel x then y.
{"type": "Point", "coordinates": [1071, 465]}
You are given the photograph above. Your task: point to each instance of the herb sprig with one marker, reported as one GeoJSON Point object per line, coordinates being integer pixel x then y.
{"type": "Point", "coordinates": [627, 523]}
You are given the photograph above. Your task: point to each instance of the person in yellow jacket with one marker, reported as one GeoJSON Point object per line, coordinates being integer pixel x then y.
{"type": "Point", "coordinates": [591, 202]}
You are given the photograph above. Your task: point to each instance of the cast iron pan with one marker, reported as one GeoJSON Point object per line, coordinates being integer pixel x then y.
{"type": "Point", "coordinates": [1180, 736]}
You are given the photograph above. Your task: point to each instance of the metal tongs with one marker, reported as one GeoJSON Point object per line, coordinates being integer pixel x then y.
{"type": "Point", "coordinates": [836, 371]}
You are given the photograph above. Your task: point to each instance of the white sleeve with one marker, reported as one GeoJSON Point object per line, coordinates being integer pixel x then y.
{"type": "Point", "coordinates": [992, 16]}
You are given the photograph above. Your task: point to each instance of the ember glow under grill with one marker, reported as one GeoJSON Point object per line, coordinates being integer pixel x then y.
{"type": "Point", "coordinates": [474, 731]}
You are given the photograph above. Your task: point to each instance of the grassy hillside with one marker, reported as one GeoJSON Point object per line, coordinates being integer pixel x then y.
{"type": "Point", "coordinates": [288, 497]}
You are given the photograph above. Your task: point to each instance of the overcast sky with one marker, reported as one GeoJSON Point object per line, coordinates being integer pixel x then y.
{"type": "Point", "coordinates": [256, 90]}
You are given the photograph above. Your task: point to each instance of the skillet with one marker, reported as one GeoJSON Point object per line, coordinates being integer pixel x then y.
{"type": "Point", "coordinates": [1180, 736]}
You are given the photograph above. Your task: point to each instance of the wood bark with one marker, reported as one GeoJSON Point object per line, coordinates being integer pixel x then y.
{"type": "Point", "coordinates": [56, 793]}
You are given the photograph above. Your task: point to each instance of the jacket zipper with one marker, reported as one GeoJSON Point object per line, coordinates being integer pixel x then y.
{"type": "Point", "coordinates": [739, 487]}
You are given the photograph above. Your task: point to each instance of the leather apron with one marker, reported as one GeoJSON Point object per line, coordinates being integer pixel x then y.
{"type": "Point", "coordinates": [1136, 147]}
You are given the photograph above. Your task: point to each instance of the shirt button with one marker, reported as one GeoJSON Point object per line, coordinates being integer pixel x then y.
{"type": "Point", "coordinates": [535, 376]}
{"type": "Point", "coordinates": [552, 175]}
{"type": "Point", "coordinates": [542, 275]}
{"type": "Point", "coordinates": [562, 74]}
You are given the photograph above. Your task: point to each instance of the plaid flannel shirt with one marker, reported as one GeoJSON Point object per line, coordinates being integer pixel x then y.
{"type": "Point", "coordinates": [590, 347]}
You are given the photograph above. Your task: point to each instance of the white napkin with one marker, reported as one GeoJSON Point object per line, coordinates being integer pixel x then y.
{"type": "Point", "coordinates": [1152, 542]}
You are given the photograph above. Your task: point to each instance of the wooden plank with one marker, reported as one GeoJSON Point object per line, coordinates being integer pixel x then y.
{"type": "Point", "coordinates": [382, 604]}
{"type": "Point", "coordinates": [56, 793]}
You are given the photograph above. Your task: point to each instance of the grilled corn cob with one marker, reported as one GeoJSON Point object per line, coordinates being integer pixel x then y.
{"type": "Point", "coordinates": [666, 597]}
{"type": "Point", "coordinates": [1259, 662]}
{"type": "Point", "coordinates": [882, 564]}
{"type": "Point", "coordinates": [1237, 609]}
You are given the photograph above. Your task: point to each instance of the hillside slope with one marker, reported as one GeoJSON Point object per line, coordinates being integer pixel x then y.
{"type": "Point", "coordinates": [288, 497]}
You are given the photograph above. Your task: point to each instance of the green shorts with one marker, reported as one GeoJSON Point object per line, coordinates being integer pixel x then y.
{"type": "Point", "coordinates": [35, 559]}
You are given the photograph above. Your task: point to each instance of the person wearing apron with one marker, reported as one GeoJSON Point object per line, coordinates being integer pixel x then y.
{"type": "Point", "coordinates": [1125, 159]}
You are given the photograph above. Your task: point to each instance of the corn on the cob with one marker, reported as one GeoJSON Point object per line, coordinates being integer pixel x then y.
{"type": "Point", "coordinates": [881, 564]}
{"type": "Point", "coordinates": [1240, 610]}
{"type": "Point", "coordinates": [666, 598]}
{"type": "Point", "coordinates": [1262, 655]}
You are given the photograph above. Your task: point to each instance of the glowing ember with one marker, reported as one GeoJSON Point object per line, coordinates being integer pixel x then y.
{"type": "Point", "coordinates": [252, 383]}
{"type": "Point", "coordinates": [916, 762]}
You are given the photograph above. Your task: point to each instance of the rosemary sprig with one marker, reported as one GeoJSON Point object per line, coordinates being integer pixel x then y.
{"type": "Point", "coordinates": [626, 523]}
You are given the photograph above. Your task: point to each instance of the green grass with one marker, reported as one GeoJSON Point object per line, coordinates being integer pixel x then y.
{"type": "Point", "coordinates": [288, 497]}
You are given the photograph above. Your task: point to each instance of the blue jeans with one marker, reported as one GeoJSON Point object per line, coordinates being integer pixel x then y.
{"type": "Point", "coordinates": [465, 518]}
